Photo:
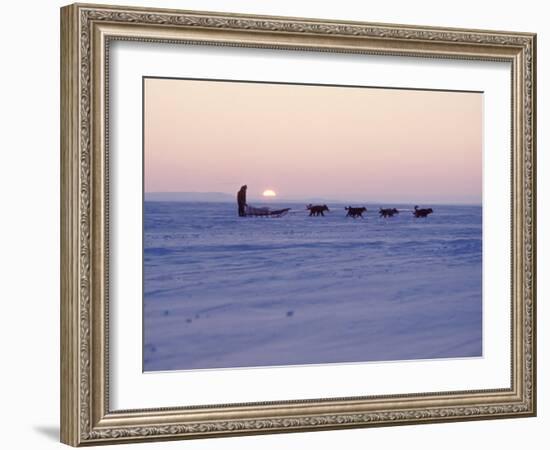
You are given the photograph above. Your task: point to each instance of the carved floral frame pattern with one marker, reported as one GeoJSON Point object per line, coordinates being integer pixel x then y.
{"type": "Point", "coordinates": [83, 421]}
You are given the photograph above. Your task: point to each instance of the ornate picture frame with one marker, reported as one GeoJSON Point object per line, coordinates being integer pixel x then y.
{"type": "Point", "coordinates": [87, 31]}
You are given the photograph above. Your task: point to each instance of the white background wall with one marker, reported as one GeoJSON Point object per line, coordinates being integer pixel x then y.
{"type": "Point", "coordinates": [29, 222]}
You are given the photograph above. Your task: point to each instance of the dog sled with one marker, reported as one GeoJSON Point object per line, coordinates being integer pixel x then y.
{"type": "Point", "coordinates": [251, 211]}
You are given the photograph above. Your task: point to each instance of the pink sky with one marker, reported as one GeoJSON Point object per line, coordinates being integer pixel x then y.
{"type": "Point", "coordinates": [340, 143]}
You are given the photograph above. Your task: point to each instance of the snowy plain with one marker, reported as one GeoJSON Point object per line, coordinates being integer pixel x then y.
{"type": "Point", "coordinates": [222, 291]}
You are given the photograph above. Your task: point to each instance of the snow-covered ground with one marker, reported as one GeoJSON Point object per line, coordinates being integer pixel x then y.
{"type": "Point", "coordinates": [223, 291]}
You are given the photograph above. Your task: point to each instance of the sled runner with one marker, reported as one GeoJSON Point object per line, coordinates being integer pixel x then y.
{"type": "Point", "coordinates": [251, 211]}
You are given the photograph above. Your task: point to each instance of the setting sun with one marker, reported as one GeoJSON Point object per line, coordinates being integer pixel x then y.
{"type": "Point", "coordinates": [269, 193]}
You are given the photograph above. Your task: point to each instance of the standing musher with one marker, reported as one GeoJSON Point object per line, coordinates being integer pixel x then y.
{"type": "Point", "coordinates": [241, 200]}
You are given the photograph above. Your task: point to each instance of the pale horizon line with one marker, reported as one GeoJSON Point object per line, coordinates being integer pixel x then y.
{"type": "Point", "coordinates": [304, 199]}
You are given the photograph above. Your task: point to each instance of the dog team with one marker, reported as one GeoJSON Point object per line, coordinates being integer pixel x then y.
{"type": "Point", "coordinates": [319, 210]}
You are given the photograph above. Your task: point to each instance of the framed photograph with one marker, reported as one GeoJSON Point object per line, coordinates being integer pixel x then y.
{"type": "Point", "coordinates": [275, 224]}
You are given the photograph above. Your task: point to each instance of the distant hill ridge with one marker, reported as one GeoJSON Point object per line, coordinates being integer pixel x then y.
{"type": "Point", "coordinates": [189, 197]}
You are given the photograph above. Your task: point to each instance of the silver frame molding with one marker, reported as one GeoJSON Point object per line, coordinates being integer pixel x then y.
{"type": "Point", "coordinates": [86, 31]}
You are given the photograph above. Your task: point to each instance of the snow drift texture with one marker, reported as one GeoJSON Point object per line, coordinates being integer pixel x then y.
{"type": "Point", "coordinates": [222, 291]}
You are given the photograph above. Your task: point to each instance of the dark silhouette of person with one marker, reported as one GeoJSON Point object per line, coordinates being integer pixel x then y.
{"type": "Point", "coordinates": [241, 200]}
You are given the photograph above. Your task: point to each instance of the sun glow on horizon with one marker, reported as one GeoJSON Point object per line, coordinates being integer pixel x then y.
{"type": "Point", "coordinates": [269, 193]}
